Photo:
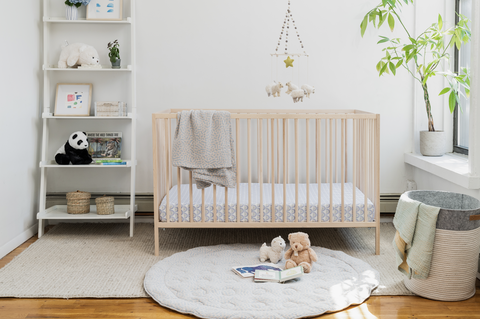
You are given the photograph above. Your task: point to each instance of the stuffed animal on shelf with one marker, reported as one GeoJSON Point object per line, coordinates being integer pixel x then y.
{"type": "Point", "coordinates": [75, 150]}
{"type": "Point", "coordinates": [274, 89]}
{"type": "Point", "coordinates": [275, 252]}
{"type": "Point", "coordinates": [308, 89]}
{"type": "Point", "coordinates": [300, 253]}
{"type": "Point", "coordinates": [78, 54]}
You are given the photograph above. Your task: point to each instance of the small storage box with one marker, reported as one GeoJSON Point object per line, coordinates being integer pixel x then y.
{"type": "Point", "coordinates": [78, 202]}
{"type": "Point", "coordinates": [105, 205]}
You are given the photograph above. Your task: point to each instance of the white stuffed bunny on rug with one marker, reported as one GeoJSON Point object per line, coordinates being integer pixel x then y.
{"type": "Point", "coordinates": [274, 253]}
{"type": "Point", "coordinates": [78, 54]}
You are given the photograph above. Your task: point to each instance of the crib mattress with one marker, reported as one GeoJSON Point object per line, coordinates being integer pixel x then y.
{"type": "Point", "coordinates": [267, 203]}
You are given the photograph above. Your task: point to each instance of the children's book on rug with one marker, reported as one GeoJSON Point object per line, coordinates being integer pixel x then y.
{"type": "Point", "coordinates": [278, 276]}
{"type": "Point", "coordinates": [105, 145]}
{"type": "Point", "coordinates": [249, 271]}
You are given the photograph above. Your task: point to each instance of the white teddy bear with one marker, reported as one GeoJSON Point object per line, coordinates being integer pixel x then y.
{"type": "Point", "coordinates": [274, 253]}
{"type": "Point", "coordinates": [78, 54]}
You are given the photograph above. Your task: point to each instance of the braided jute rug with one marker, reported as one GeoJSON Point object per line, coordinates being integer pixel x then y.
{"type": "Point", "coordinates": [100, 260]}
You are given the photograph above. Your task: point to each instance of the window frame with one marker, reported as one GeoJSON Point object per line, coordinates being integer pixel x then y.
{"type": "Point", "coordinates": [456, 147]}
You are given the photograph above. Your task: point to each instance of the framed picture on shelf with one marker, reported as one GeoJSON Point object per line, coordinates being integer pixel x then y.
{"type": "Point", "coordinates": [73, 99]}
{"type": "Point", "coordinates": [105, 10]}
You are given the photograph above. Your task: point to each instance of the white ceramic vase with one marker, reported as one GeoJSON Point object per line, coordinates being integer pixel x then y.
{"type": "Point", "coordinates": [433, 143]}
{"type": "Point", "coordinates": [71, 12]}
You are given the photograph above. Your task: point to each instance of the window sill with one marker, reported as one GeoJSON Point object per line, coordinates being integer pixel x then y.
{"type": "Point", "coordinates": [451, 167]}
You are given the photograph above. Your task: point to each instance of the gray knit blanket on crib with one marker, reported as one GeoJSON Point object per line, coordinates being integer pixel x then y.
{"type": "Point", "coordinates": [203, 143]}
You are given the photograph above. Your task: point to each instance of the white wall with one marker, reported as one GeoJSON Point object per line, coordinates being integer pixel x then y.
{"type": "Point", "coordinates": [20, 123]}
{"type": "Point", "coordinates": [216, 54]}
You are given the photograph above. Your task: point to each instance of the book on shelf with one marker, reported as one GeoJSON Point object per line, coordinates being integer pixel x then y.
{"type": "Point", "coordinates": [105, 145]}
{"type": "Point", "coordinates": [110, 109]}
{"type": "Point", "coordinates": [249, 271]}
{"type": "Point", "coordinates": [115, 160]}
{"type": "Point", "coordinates": [113, 163]}
{"type": "Point", "coordinates": [278, 276]}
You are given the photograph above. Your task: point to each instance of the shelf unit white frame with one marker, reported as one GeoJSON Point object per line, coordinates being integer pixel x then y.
{"type": "Point", "coordinates": [60, 211]}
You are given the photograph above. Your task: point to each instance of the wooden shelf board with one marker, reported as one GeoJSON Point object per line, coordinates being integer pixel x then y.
{"type": "Point", "coordinates": [60, 212]}
{"type": "Point", "coordinates": [83, 20]}
{"type": "Point", "coordinates": [53, 164]}
{"type": "Point", "coordinates": [51, 116]}
{"type": "Point", "coordinates": [105, 68]}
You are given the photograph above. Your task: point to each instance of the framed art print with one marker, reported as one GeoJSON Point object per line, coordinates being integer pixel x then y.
{"type": "Point", "coordinates": [105, 10]}
{"type": "Point", "coordinates": [73, 99]}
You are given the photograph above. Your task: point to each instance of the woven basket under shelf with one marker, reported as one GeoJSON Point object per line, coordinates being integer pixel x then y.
{"type": "Point", "coordinates": [105, 205]}
{"type": "Point", "coordinates": [78, 202]}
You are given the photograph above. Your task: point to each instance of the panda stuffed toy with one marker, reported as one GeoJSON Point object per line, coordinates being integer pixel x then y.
{"type": "Point", "coordinates": [74, 150]}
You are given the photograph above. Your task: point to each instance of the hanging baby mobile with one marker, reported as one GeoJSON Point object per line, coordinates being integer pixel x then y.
{"type": "Point", "coordinates": [296, 92]}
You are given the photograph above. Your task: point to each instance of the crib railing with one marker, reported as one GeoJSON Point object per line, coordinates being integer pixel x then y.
{"type": "Point", "coordinates": [344, 146]}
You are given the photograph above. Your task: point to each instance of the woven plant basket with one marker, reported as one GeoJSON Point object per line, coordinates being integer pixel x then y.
{"type": "Point", "coordinates": [105, 205]}
{"type": "Point", "coordinates": [78, 202]}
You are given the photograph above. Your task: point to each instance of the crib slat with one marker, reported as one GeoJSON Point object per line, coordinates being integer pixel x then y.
{"type": "Point", "coordinates": [190, 184]}
{"type": "Point", "coordinates": [284, 170]}
{"type": "Point", "coordinates": [226, 205]}
{"type": "Point", "coordinates": [335, 151]}
{"type": "Point", "coordinates": [179, 189]}
{"type": "Point", "coordinates": [331, 170]}
{"type": "Point", "coordinates": [203, 205]}
{"type": "Point", "coordinates": [268, 150]}
{"type": "Point", "coordinates": [319, 170]}
{"type": "Point", "coordinates": [260, 167]}
{"type": "Point", "coordinates": [346, 150]}
{"type": "Point", "coordinates": [365, 168]}
{"type": "Point", "coordinates": [316, 151]}
{"type": "Point", "coordinates": [343, 170]}
{"type": "Point", "coordinates": [377, 183]}
{"type": "Point", "coordinates": [287, 151]}
{"type": "Point", "coordinates": [354, 172]}
{"type": "Point", "coordinates": [296, 170]}
{"type": "Point", "coordinates": [307, 169]}
{"type": "Point", "coordinates": [214, 203]}
{"type": "Point", "coordinates": [273, 171]}
{"type": "Point", "coordinates": [249, 155]}
{"type": "Point", "coordinates": [278, 151]}
{"type": "Point", "coordinates": [237, 126]}
{"type": "Point", "coordinates": [167, 168]}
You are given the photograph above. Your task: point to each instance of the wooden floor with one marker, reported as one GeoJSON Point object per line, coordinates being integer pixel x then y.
{"type": "Point", "coordinates": [405, 307]}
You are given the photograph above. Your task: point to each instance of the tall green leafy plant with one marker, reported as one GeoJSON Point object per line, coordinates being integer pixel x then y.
{"type": "Point", "coordinates": [114, 48]}
{"type": "Point", "coordinates": [422, 56]}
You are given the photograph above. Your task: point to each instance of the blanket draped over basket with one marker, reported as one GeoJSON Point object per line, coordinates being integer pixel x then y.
{"type": "Point", "coordinates": [415, 223]}
{"type": "Point", "coordinates": [203, 143]}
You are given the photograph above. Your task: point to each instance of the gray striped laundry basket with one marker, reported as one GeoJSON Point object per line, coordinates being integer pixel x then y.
{"type": "Point", "coordinates": [456, 248]}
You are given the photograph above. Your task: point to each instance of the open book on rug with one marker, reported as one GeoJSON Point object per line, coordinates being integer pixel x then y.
{"type": "Point", "coordinates": [278, 276]}
{"type": "Point", "coordinates": [249, 271]}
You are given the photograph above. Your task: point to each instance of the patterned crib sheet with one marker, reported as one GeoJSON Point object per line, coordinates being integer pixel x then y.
{"type": "Point", "coordinates": [267, 203]}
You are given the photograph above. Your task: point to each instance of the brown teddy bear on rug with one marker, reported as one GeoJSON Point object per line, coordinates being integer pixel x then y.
{"type": "Point", "coordinates": [300, 253]}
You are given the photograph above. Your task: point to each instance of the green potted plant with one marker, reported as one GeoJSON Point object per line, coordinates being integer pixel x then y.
{"type": "Point", "coordinates": [114, 54]}
{"type": "Point", "coordinates": [71, 8]}
{"type": "Point", "coordinates": [422, 57]}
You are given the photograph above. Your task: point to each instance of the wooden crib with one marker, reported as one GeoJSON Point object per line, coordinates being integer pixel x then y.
{"type": "Point", "coordinates": [295, 169]}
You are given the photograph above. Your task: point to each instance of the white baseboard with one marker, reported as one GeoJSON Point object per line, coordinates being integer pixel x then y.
{"type": "Point", "coordinates": [478, 275]}
{"type": "Point", "coordinates": [17, 241]}
{"type": "Point", "coordinates": [138, 219]}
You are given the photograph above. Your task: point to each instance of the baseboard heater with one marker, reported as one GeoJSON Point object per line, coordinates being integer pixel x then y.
{"type": "Point", "coordinates": [388, 202]}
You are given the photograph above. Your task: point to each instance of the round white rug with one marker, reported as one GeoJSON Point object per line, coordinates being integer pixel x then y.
{"type": "Point", "coordinates": [200, 281]}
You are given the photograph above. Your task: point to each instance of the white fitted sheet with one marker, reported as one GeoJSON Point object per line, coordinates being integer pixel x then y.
{"type": "Point", "coordinates": [267, 203]}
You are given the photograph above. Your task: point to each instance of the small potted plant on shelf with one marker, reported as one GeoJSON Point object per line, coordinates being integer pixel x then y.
{"type": "Point", "coordinates": [114, 54]}
{"type": "Point", "coordinates": [71, 8]}
{"type": "Point", "coordinates": [421, 57]}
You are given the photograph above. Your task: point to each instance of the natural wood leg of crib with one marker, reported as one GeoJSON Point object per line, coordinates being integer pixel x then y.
{"type": "Point", "coordinates": [377, 240]}
{"type": "Point", "coordinates": [157, 243]}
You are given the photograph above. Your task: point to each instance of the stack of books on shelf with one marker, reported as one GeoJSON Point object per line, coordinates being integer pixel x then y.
{"type": "Point", "coordinates": [110, 109]}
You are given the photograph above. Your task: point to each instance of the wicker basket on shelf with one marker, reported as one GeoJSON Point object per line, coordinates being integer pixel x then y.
{"type": "Point", "coordinates": [105, 205]}
{"type": "Point", "coordinates": [78, 202]}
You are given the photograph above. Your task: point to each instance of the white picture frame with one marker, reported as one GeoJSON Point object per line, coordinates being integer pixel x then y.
{"type": "Point", "coordinates": [105, 10]}
{"type": "Point", "coordinates": [73, 99]}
